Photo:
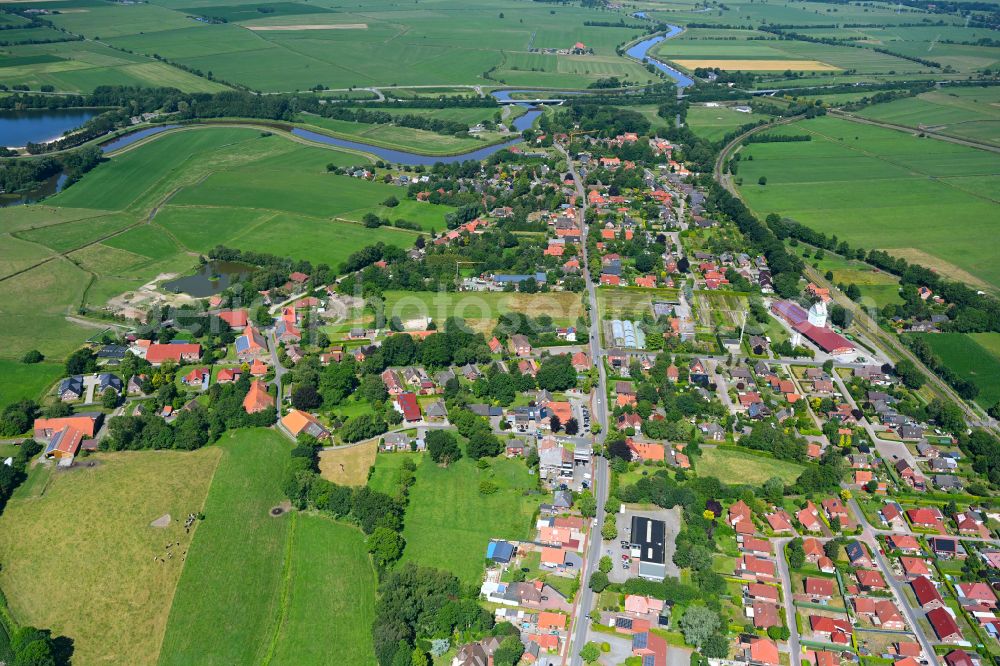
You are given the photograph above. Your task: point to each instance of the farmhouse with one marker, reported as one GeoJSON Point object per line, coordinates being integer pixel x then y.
{"type": "Point", "coordinates": [298, 422]}
{"type": "Point", "coordinates": [257, 398]}
{"type": "Point", "coordinates": [178, 352]}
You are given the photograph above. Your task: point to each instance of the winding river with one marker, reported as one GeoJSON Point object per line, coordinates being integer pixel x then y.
{"type": "Point", "coordinates": [640, 52]}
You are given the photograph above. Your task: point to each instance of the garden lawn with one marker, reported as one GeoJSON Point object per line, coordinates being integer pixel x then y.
{"type": "Point", "coordinates": [924, 200]}
{"type": "Point", "coordinates": [449, 523]}
{"type": "Point", "coordinates": [734, 466]}
{"type": "Point", "coordinates": [82, 560]}
{"type": "Point", "coordinates": [20, 380]}
{"type": "Point", "coordinates": [228, 600]}
{"type": "Point", "coordinates": [975, 357]}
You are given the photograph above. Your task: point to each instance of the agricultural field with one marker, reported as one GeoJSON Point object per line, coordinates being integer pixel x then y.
{"type": "Point", "coordinates": [714, 122]}
{"type": "Point", "coordinates": [295, 45]}
{"type": "Point", "coordinates": [734, 466]}
{"type": "Point", "coordinates": [123, 580]}
{"type": "Point", "coordinates": [973, 356]}
{"type": "Point", "coordinates": [966, 113]}
{"type": "Point", "coordinates": [879, 188]}
{"type": "Point", "coordinates": [154, 207]}
{"type": "Point", "coordinates": [81, 66]}
{"type": "Point", "coordinates": [449, 522]}
{"type": "Point", "coordinates": [482, 309]}
{"type": "Point", "coordinates": [735, 50]}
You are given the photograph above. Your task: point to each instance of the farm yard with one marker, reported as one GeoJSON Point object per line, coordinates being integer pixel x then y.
{"type": "Point", "coordinates": [900, 189]}
{"type": "Point", "coordinates": [973, 356]}
{"type": "Point", "coordinates": [96, 521]}
{"type": "Point", "coordinates": [730, 465]}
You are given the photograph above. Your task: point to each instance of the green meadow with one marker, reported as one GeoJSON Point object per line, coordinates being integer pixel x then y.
{"type": "Point", "coordinates": [929, 201]}
{"type": "Point", "coordinates": [448, 521]}
{"type": "Point", "coordinates": [301, 583]}
{"type": "Point", "coordinates": [19, 381]}
{"type": "Point", "coordinates": [731, 465]}
{"type": "Point", "coordinates": [975, 357]}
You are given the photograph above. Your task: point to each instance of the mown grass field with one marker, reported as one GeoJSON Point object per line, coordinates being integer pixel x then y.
{"type": "Point", "coordinates": [403, 138]}
{"type": "Point", "coordinates": [975, 357]}
{"type": "Point", "coordinates": [736, 467]}
{"type": "Point", "coordinates": [302, 582]}
{"type": "Point", "coordinates": [926, 200]}
{"type": "Point", "coordinates": [81, 559]}
{"type": "Point", "coordinates": [881, 287]}
{"type": "Point", "coordinates": [348, 466]}
{"type": "Point", "coordinates": [448, 522]}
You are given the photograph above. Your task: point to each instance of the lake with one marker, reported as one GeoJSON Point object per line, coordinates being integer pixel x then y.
{"type": "Point", "coordinates": [212, 278]}
{"type": "Point", "coordinates": [18, 128]}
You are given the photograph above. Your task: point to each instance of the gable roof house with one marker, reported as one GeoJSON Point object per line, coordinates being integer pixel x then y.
{"type": "Point", "coordinates": [178, 352]}
{"type": "Point", "coordinates": [257, 398]}
{"type": "Point", "coordinates": [298, 422]}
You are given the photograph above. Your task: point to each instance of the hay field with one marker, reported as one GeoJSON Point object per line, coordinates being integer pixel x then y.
{"type": "Point", "coordinates": [82, 558]}
{"type": "Point", "coordinates": [348, 466]}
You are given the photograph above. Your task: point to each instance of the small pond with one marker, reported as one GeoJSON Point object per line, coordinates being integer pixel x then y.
{"type": "Point", "coordinates": [212, 278]}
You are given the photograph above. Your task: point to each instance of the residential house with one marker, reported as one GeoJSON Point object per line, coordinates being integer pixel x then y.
{"type": "Point", "coordinates": [819, 588]}
{"type": "Point", "coordinates": [520, 345]}
{"type": "Point", "coordinates": [944, 626]}
{"type": "Point", "coordinates": [251, 344]}
{"type": "Point", "coordinates": [926, 593]}
{"type": "Point", "coordinates": [70, 388]}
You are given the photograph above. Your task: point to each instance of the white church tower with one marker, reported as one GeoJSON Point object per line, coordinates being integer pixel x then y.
{"type": "Point", "coordinates": [817, 314]}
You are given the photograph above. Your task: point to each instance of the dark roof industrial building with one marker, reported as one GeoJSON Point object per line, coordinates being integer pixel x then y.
{"type": "Point", "coordinates": [648, 538]}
